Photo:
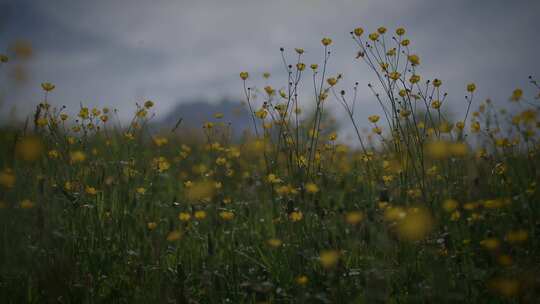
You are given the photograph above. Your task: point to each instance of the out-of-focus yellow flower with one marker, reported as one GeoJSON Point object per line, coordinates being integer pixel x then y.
{"type": "Point", "coordinates": [90, 190]}
{"type": "Point", "coordinates": [374, 36]}
{"type": "Point", "coordinates": [475, 127]}
{"type": "Point", "coordinates": [221, 161]}
{"type": "Point", "coordinates": [414, 193]}
{"type": "Point", "coordinates": [333, 136]}
{"type": "Point", "coordinates": [504, 260]}
{"type": "Point", "coordinates": [506, 287]}
{"type": "Point", "coordinates": [160, 141]}
{"type": "Point", "coordinates": [4, 58]}
{"type": "Point", "coordinates": [301, 66]}
{"type": "Point", "coordinates": [405, 42]}
{"type": "Point", "coordinates": [274, 242]}
{"type": "Point", "coordinates": [140, 190]}
{"type": "Point", "coordinates": [459, 149]}
{"type": "Point", "coordinates": [354, 217]}
{"type": "Point", "coordinates": [437, 149]}
{"type": "Point", "coordinates": [184, 216]}
{"type": "Point", "coordinates": [77, 156]}
{"type": "Point", "coordinates": [226, 215]}
{"type": "Point", "coordinates": [450, 205]}
{"type": "Point", "coordinates": [400, 31]}
{"type": "Point", "coordinates": [471, 87]}
{"type": "Point", "coordinates": [296, 216]}
{"type": "Point", "coordinates": [273, 179]}
{"type": "Point", "coordinates": [141, 113]}
{"type": "Point", "coordinates": [42, 122]}
{"type": "Point", "coordinates": [151, 225]}
{"type": "Point", "coordinates": [286, 189]}
{"type": "Point", "coordinates": [261, 113]}
{"type": "Point", "coordinates": [517, 236]}
{"type": "Point", "coordinates": [29, 148]}
{"type": "Point", "coordinates": [312, 188]}
{"type": "Point", "coordinates": [53, 154]}
{"type": "Point", "coordinates": [161, 164]}
{"type": "Point", "coordinates": [174, 236]}
{"type": "Point", "coordinates": [381, 30]}
{"type": "Point", "coordinates": [301, 280]}
{"type": "Point", "coordinates": [404, 113]}
{"type": "Point", "coordinates": [200, 214]}
{"type": "Point", "coordinates": [26, 204]}
{"type": "Point", "coordinates": [7, 178]}
{"type": "Point", "coordinates": [329, 258]}
{"type": "Point", "coordinates": [417, 223]}
{"type": "Point", "coordinates": [68, 186]}
{"type": "Point", "coordinates": [244, 75]}
{"type": "Point", "coordinates": [47, 86]}
{"type": "Point", "coordinates": [443, 149]}
{"type": "Point", "coordinates": [456, 215]}
{"type": "Point", "coordinates": [437, 82]}
{"type": "Point", "coordinates": [314, 66]}
{"type": "Point", "coordinates": [201, 190]}
{"type": "Point", "coordinates": [490, 243]}
{"type": "Point", "coordinates": [218, 115]}
{"type": "Point", "coordinates": [300, 51]}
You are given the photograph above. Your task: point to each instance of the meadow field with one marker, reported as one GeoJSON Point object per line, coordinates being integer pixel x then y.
{"type": "Point", "coordinates": [422, 208]}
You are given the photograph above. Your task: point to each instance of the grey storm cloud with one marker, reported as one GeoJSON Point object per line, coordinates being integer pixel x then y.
{"type": "Point", "coordinates": [114, 53]}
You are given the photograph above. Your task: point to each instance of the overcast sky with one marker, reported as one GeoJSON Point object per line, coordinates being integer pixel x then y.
{"type": "Point", "coordinates": [118, 52]}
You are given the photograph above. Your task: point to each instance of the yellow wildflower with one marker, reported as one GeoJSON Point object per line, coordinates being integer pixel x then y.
{"type": "Point", "coordinates": [374, 118]}
{"type": "Point", "coordinates": [47, 86]}
{"type": "Point", "coordinates": [312, 188]}
{"type": "Point", "coordinates": [274, 242]}
{"type": "Point", "coordinates": [326, 41]}
{"type": "Point", "coordinates": [226, 215]}
{"type": "Point", "coordinates": [354, 217]}
{"type": "Point", "coordinates": [329, 258]}
{"type": "Point", "coordinates": [296, 216]}
{"type": "Point", "coordinates": [200, 214]}
{"type": "Point", "coordinates": [184, 216]}
{"type": "Point", "coordinates": [26, 204]}
{"type": "Point", "coordinates": [174, 236]}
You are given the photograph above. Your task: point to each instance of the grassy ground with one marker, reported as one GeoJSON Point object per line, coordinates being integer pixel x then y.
{"type": "Point", "coordinates": [420, 209]}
